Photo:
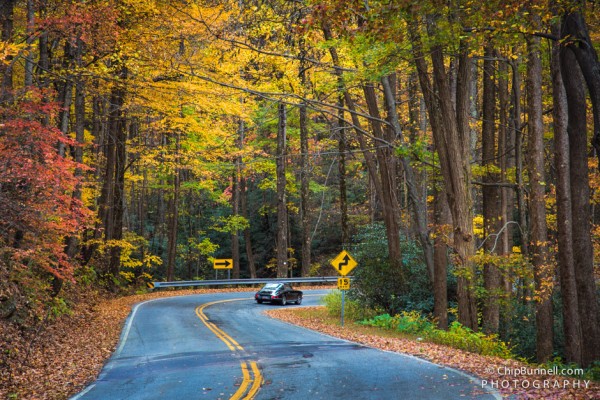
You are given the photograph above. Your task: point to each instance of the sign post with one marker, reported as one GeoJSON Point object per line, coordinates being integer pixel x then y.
{"type": "Point", "coordinates": [224, 263]}
{"type": "Point", "coordinates": [343, 264]}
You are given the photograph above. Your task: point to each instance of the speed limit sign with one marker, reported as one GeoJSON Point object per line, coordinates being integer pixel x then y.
{"type": "Point", "coordinates": [343, 283]}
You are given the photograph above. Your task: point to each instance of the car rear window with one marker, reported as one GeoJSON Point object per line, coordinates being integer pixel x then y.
{"type": "Point", "coordinates": [271, 286]}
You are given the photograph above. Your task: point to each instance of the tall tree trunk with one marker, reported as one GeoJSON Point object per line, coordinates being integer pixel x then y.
{"type": "Point", "coordinates": [490, 195]}
{"type": "Point", "coordinates": [282, 219]}
{"type": "Point", "coordinates": [515, 123]}
{"type": "Point", "coordinates": [77, 151]}
{"type": "Point", "coordinates": [65, 95]}
{"type": "Point", "coordinates": [6, 70]}
{"type": "Point", "coordinates": [537, 204]}
{"type": "Point", "coordinates": [235, 206]}
{"type": "Point", "coordinates": [382, 184]}
{"type": "Point", "coordinates": [247, 235]}
{"type": "Point", "coordinates": [304, 191]}
{"type": "Point", "coordinates": [442, 221]}
{"type": "Point", "coordinates": [244, 208]}
{"type": "Point", "coordinates": [386, 168]}
{"type": "Point", "coordinates": [342, 148]}
{"type": "Point", "coordinates": [450, 133]}
{"type": "Point", "coordinates": [506, 159]}
{"type": "Point", "coordinates": [173, 216]}
{"type": "Point", "coordinates": [564, 217]}
{"type": "Point", "coordinates": [30, 38]}
{"type": "Point", "coordinates": [118, 137]}
{"type": "Point", "coordinates": [578, 44]}
{"type": "Point", "coordinates": [417, 203]}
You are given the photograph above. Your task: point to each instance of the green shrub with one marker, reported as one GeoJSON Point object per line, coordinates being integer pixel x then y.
{"type": "Point", "coordinates": [353, 311]}
{"type": "Point", "coordinates": [382, 321]}
{"type": "Point", "coordinates": [461, 337]}
{"type": "Point", "coordinates": [377, 284]}
{"type": "Point", "coordinates": [457, 336]}
{"type": "Point", "coordinates": [413, 323]}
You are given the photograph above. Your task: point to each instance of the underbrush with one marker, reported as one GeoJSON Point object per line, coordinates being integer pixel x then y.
{"type": "Point", "coordinates": [353, 310]}
{"type": "Point", "coordinates": [413, 324]}
{"type": "Point", "coordinates": [457, 336]}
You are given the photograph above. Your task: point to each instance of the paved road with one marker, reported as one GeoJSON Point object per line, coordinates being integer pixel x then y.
{"type": "Point", "coordinates": [221, 346]}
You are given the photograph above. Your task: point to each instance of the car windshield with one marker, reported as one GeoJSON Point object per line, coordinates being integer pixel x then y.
{"type": "Point", "coordinates": [271, 286]}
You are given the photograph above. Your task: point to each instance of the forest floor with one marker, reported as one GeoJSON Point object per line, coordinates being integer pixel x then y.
{"type": "Point", "coordinates": [61, 356]}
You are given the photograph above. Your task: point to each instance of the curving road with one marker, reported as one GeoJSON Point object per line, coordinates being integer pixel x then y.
{"type": "Point", "coordinates": [222, 346]}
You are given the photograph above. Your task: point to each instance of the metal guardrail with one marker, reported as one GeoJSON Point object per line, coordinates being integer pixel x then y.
{"type": "Point", "coordinates": [225, 282]}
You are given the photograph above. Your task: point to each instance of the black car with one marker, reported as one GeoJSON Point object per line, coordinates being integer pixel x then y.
{"type": "Point", "coordinates": [278, 292]}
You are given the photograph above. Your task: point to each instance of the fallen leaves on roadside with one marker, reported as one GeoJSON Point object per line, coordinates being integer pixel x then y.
{"type": "Point", "coordinates": [63, 356]}
{"type": "Point", "coordinates": [490, 370]}
{"type": "Point", "coordinates": [59, 358]}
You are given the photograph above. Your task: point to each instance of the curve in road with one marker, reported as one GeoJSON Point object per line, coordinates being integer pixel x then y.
{"type": "Point", "coordinates": [222, 346]}
{"type": "Point", "coordinates": [250, 372]}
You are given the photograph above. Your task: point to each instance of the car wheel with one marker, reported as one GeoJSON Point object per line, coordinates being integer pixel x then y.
{"type": "Point", "coordinates": [299, 301]}
{"type": "Point", "coordinates": [283, 300]}
{"type": "Point", "coordinates": [259, 301]}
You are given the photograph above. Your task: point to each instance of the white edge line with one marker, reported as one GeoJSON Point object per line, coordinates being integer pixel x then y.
{"type": "Point", "coordinates": [128, 324]}
{"type": "Point", "coordinates": [472, 378]}
{"type": "Point", "coordinates": [125, 336]}
{"type": "Point", "coordinates": [122, 341]}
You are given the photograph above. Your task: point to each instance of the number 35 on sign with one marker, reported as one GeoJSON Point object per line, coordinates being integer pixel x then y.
{"type": "Point", "coordinates": [343, 283]}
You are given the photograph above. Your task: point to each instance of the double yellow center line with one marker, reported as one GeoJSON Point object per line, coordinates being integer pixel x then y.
{"type": "Point", "coordinates": [251, 376]}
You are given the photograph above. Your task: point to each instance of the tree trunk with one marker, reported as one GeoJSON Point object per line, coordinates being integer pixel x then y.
{"type": "Point", "coordinates": [235, 206]}
{"type": "Point", "coordinates": [515, 123]}
{"type": "Point", "coordinates": [343, 148]}
{"type": "Point", "coordinates": [442, 221]}
{"type": "Point", "coordinates": [118, 137]}
{"type": "Point", "coordinates": [6, 71]}
{"type": "Point", "coordinates": [564, 218]}
{"type": "Point", "coordinates": [243, 195]}
{"type": "Point", "coordinates": [77, 151]}
{"type": "Point", "coordinates": [456, 171]}
{"type": "Point", "coordinates": [537, 204]}
{"type": "Point", "coordinates": [418, 203]}
{"type": "Point", "coordinates": [490, 195]}
{"type": "Point", "coordinates": [247, 235]}
{"type": "Point", "coordinates": [65, 96]}
{"type": "Point", "coordinates": [579, 44]}
{"type": "Point", "coordinates": [452, 144]}
{"type": "Point", "coordinates": [515, 113]}
{"type": "Point", "coordinates": [173, 217]}
{"type": "Point", "coordinates": [379, 174]}
{"type": "Point", "coordinates": [282, 225]}
{"type": "Point", "coordinates": [304, 192]}
{"type": "Point", "coordinates": [386, 166]}
{"type": "Point", "coordinates": [30, 38]}
{"type": "Point", "coordinates": [506, 160]}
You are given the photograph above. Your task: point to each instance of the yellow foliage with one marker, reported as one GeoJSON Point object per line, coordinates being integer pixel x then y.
{"type": "Point", "coordinates": [9, 50]}
{"type": "Point", "coordinates": [478, 227]}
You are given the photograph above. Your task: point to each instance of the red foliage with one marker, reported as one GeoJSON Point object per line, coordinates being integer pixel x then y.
{"type": "Point", "coordinates": [96, 24]}
{"type": "Point", "coordinates": [36, 185]}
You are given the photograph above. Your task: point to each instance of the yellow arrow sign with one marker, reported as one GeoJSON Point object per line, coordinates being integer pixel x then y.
{"type": "Point", "coordinates": [344, 263]}
{"type": "Point", "coordinates": [225, 263]}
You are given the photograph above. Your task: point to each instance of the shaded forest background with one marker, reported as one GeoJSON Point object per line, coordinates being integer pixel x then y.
{"type": "Point", "coordinates": [450, 146]}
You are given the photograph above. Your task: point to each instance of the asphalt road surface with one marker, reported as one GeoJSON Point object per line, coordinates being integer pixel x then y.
{"type": "Point", "coordinates": [222, 346]}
